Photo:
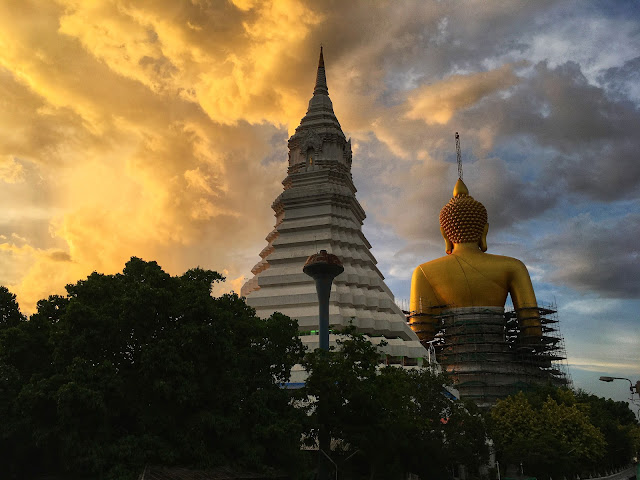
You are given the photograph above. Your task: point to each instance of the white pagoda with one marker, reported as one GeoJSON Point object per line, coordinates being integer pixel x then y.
{"type": "Point", "coordinates": [318, 210]}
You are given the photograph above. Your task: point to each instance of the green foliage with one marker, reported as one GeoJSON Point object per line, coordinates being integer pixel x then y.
{"type": "Point", "coordinates": [617, 423]}
{"type": "Point", "coordinates": [395, 420]}
{"type": "Point", "coordinates": [142, 367]}
{"type": "Point", "coordinates": [634, 435]}
{"type": "Point", "coordinates": [615, 420]}
{"type": "Point", "coordinates": [10, 315]}
{"type": "Point", "coordinates": [550, 438]}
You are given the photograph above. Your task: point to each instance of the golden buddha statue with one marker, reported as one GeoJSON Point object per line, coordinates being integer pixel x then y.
{"type": "Point", "coordinates": [468, 277]}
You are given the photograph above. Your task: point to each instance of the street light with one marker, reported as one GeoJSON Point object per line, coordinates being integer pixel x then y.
{"type": "Point", "coordinates": [633, 389]}
{"type": "Point", "coordinates": [323, 267]}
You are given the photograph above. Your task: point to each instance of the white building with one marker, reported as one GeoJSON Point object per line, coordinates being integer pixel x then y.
{"type": "Point", "coordinates": [318, 210]}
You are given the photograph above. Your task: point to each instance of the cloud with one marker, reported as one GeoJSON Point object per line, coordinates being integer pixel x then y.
{"type": "Point", "coordinates": [579, 131]}
{"type": "Point", "coordinates": [593, 306]}
{"type": "Point", "coordinates": [121, 159]}
{"type": "Point", "coordinates": [428, 187]}
{"type": "Point", "coordinates": [11, 171]}
{"type": "Point", "coordinates": [437, 103]}
{"type": "Point", "coordinates": [171, 200]}
{"type": "Point", "coordinates": [622, 82]}
{"type": "Point", "coordinates": [552, 135]}
{"type": "Point", "coordinates": [564, 36]}
{"type": "Point", "coordinates": [591, 366]}
{"type": "Point", "coordinates": [596, 256]}
{"type": "Point", "coordinates": [159, 130]}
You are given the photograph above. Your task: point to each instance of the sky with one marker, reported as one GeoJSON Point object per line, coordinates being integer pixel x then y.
{"type": "Point", "coordinates": [159, 128]}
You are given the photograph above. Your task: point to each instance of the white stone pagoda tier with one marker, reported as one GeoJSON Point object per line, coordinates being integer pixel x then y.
{"type": "Point", "coordinates": [318, 210]}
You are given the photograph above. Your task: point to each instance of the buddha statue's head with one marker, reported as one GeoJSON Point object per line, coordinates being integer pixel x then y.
{"type": "Point", "coordinates": [463, 220]}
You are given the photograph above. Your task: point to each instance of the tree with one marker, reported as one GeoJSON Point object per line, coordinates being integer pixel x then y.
{"type": "Point", "coordinates": [142, 367]}
{"type": "Point", "coordinates": [617, 423]}
{"type": "Point", "coordinates": [23, 350]}
{"type": "Point", "coordinates": [550, 439]}
{"type": "Point", "coordinates": [614, 420]}
{"type": "Point", "coordinates": [394, 420]}
{"type": "Point", "coordinates": [10, 315]}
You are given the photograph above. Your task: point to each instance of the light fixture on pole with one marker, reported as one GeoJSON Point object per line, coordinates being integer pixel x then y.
{"type": "Point", "coordinates": [323, 267]}
{"type": "Point", "coordinates": [632, 388]}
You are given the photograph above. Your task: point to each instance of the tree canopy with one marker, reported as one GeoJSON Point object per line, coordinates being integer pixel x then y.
{"type": "Point", "coordinates": [394, 420]}
{"type": "Point", "coordinates": [10, 314]}
{"type": "Point", "coordinates": [555, 432]}
{"type": "Point", "coordinates": [142, 367]}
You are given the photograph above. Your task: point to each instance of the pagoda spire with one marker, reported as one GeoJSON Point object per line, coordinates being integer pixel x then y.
{"type": "Point", "coordinates": [320, 113]}
{"type": "Point", "coordinates": [318, 210]}
{"type": "Point", "coordinates": [321, 78]}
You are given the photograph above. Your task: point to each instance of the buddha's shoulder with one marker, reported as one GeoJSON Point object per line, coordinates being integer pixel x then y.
{"type": "Point", "coordinates": [435, 265]}
{"type": "Point", "coordinates": [482, 259]}
{"type": "Point", "coordinates": [510, 262]}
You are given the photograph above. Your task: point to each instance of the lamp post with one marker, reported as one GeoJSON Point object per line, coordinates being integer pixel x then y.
{"type": "Point", "coordinates": [323, 267]}
{"type": "Point", "coordinates": [633, 389]}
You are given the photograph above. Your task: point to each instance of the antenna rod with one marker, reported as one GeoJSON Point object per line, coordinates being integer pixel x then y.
{"type": "Point", "coordinates": [459, 156]}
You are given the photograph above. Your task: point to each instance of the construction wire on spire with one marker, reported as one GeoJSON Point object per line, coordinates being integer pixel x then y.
{"type": "Point", "coordinates": [459, 154]}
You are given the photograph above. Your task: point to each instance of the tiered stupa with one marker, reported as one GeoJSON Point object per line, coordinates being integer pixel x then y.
{"type": "Point", "coordinates": [318, 210]}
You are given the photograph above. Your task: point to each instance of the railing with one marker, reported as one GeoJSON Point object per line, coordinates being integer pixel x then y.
{"type": "Point", "coordinates": [625, 474]}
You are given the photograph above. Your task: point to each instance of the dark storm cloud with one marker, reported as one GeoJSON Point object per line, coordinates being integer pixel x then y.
{"type": "Point", "coordinates": [623, 81]}
{"type": "Point", "coordinates": [508, 198]}
{"type": "Point", "coordinates": [561, 109]}
{"type": "Point", "coordinates": [585, 140]}
{"type": "Point", "coordinates": [425, 40]}
{"type": "Point", "coordinates": [591, 256]}
{"type": "Point", "coordinates": [528, 147]}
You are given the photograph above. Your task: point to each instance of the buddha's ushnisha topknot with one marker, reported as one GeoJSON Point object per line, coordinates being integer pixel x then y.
{"type": "Point", "coordinates": [463, 218]}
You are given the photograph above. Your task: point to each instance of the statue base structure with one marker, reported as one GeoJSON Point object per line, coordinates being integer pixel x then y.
{"type": "Point", "coordinates": [481, 349]}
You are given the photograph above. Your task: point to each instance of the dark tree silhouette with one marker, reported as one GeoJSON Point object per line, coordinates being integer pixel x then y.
{"type": "Point", "coordinates": [142, 367]}
{"type": "Point", "coordinates": [394, 420]}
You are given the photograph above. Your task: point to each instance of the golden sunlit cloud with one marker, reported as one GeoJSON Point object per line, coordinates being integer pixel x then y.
{"type": "Point", "coordinates": [592, 365]}
{"type": "Point", "coordinates": [122, 109]}
{"type": "Point", "coordinates": [437, 103]}
{"type": "Point", "coordinates": [146, 125]}
{"type": "Point", "coordinates": [10, 170]}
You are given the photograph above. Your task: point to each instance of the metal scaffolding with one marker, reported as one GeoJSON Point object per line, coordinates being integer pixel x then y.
{"type": "Point", "coordinates": [486, 353]}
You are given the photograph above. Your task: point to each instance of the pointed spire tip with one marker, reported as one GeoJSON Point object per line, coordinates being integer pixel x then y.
{"type": "Point", "coordinates": [321, 79]}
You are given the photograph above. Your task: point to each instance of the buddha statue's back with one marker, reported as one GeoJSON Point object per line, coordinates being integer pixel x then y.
{"type": "Point", "coordinates": [467, 276]}
{"type": "Point", "coordinates": [457, 301]}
